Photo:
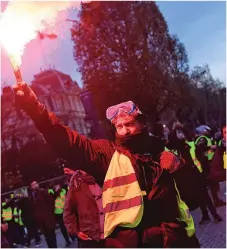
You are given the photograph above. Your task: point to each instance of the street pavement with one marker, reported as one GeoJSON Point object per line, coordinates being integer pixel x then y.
{"type": "Point", "coordinates": [211, 235]}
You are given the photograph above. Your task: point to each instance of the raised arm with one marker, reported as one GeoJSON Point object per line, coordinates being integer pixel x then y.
{"type": "Point", "coordinates": [92, 156]}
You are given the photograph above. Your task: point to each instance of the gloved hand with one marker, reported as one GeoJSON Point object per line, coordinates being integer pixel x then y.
{"type": "Point", "coordinates": [26, 99]}
{"type": "Point", "coordinates": [83, 236]}
{"type": "Point", "coordinates": [169, 161]}
{"type": "Point", "coordinates": [68, 171]}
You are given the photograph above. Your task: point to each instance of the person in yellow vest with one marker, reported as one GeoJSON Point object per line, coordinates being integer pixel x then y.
{"type": "Point", "coordinates": [59, 197]}
{"type": "Point", "coordinates": [204, 153]}
{"type": "Point", "coordinates": [10, 215]}
{"type": "Point", "coordinates": [7, 219]}
{"type": "Point", "coordinates": [218, 164]}
{"type": "Point", "coordinates": [195, 195]}
{"type": "Point", "coordinates": [19, 227]}
{"type": "Point", "coordinates": [139, 198]}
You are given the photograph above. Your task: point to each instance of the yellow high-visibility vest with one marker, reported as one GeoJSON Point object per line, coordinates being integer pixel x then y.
{"type": "Point", "coordinates": [17, 216]}
{"type": "Point", "coordinates": [60, 202]}
{"type": "Point", "coordinates": [193, 156]}
{"type": "Point", "coordinates": [185, 215]}
{"type": "Point", "coordinates": [7, 214]}
{"type": "Point", "coordinates": [210, 153]}
{"type": "Point", "coordinates": [122, 197]}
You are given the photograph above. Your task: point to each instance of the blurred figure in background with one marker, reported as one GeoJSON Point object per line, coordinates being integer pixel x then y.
{"type": "Point", "coordinates": [29, 221]}
{"type": "Point", "coordinates": [7, 210]}
{"type": "Point", "coordinates": [196, 194]}
{"type": "Point", "coordinates": [43, 206]}
{"type": "Point", "coordinates": [204, 153]}
{"type": "Point", "coordinates": [19, 225]}
{"type": "Point", "coordinates": [218, 164]}
{"type": "Point", "coordinates": [59, 197]}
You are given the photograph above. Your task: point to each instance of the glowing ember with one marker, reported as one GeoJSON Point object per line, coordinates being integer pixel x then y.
{"type": "Point", "coordinates": [21, 21]}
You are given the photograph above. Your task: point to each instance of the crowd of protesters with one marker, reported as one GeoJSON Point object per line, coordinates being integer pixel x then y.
{"type": "Point", "coordinates": [135, 191]}
{"type": "Point", "coordinates": [27, 215]}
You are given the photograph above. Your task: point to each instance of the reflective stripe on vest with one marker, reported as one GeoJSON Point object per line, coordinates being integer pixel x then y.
{"type": "Point", "coordinates": [173, 151]}
{"type": "Point", "coordinates": [210, 153]}
{"type": "Point", "coordinates": [63, 192]}
{"type": "Point", "coordinates": [185, 215]}
{"type": "Point", "coordinates": [60, 202]}
{"type": "Point", "coordinates": [7, 214]}
{"type": "Point", "coordinates": [59, 206]}
{"type": "Point", "coordinates": [193, 156]}
{"type": "Point", "coordinates": [50, 191]}
{"type": "Point", "coordinates": [122, 197]}
{"type": "Point", "coordinates": [17, 216]}
{"type": "Point", "coordinates": [220, 142]}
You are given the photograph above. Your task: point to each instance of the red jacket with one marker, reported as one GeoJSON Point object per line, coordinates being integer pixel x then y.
{"type": "Point", "coordinates": [81, 213]}
{"type": "Point", "coordinates": [93, 157]}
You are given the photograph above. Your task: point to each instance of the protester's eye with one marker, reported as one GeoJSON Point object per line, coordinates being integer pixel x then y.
{"type": "Point", "coordinates": [118, 127]}
{"type": "Point", "coordinates": [130, 124]}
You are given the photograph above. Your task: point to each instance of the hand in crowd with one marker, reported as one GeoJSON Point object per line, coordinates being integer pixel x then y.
{"type": "Point", "coordinates": [4, 227]}
{"type": "Point", "coordinates": [68, 171]}
{"type": "Point", "coordinates": [83, 236]}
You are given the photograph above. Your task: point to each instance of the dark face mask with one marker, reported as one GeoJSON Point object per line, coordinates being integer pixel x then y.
{"type": "Point", "coordinates": [136, 143]}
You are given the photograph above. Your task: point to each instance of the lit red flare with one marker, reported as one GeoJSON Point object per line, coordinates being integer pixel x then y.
{"type": "Point", "coordinates": [20, 22]}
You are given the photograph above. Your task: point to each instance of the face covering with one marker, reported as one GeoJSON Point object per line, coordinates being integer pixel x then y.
{"type": "Point", "coordinates": [138, 142]}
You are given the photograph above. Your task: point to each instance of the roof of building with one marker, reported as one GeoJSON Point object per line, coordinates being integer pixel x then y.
{"type": "Point", "coordinates": [53, 81]}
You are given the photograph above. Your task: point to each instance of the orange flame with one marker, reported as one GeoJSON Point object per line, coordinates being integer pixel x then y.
{"type": "Point", "coordinates": [21, 21]}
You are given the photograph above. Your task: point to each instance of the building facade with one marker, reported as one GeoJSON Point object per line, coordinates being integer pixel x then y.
{"type": "Point", "coordinates": [60, 94]}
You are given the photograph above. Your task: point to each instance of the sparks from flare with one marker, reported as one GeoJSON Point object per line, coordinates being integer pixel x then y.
{"type": "Point", "coordinates": [21, 21]}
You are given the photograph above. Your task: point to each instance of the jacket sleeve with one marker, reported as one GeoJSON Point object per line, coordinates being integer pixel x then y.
{"type": "Point", "coordinates": [70, 214]}
{"type": "Point", "coordinates": [92, 156]}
